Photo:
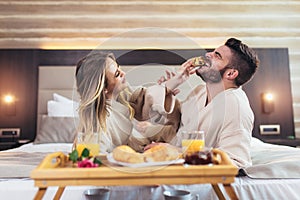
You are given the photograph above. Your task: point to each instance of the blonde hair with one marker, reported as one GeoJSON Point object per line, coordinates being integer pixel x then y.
{"type": "Point", "coordinates": [91, 82]}
{"type": "Point", "coordinates": [123, 99]}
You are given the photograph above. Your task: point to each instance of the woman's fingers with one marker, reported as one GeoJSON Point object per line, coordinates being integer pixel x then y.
{"type": "Point", "coordinates": [161, 80]}
{"type": "Point", "coordinates": [168, 76]}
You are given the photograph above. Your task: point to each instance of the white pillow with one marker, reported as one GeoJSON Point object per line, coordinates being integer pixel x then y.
{"type": "Point", "coordinates": [62, 106]}
{"type": "Point", "coordinates": [60, 98]}
{"type": "Point", "coordinates": [56, 130]}
{"type": "Point", "coordinates": [59, 109]}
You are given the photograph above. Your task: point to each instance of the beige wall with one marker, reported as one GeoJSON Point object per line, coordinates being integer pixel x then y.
{"type": "Point", "coordinates": [176, 24]}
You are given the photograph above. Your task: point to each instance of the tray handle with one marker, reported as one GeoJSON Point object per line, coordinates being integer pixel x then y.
{"type": "Point", "coordinates": [54, 160]}
{"type": "Point", "coordinates": [220, 157]}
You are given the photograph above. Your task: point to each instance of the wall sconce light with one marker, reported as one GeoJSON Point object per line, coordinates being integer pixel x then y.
{"type": "Point", "coordinates": [267, 102]}
{"type": "Point", "coordinates": [10, 104]}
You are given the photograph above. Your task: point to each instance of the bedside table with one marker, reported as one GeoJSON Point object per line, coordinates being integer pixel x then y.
{"type": "Point", "coordinates": [7, 145]}
{"type": "Point", "coordinates": [13, 144]}
{"type": "Point", "coordinates": [9, 138]}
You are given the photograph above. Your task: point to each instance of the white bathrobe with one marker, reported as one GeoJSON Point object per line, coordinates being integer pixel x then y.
{"type": "Point", "coordinates": [227, 122]}
{"type": "Point", "coordinates": [119, 127]}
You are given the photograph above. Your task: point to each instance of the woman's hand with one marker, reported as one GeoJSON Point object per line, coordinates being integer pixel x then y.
{"type": "Point", "coordinates": [153, 144]}
{"type": "Point", "coordinates": [183, 73]}
{"type": "Point", "coordinates": [168, 76]}
{"type": "Point", "coordinates": [186, 69]}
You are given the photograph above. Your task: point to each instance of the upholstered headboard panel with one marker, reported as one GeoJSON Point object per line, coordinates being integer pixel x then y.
{"type": "Point", "coordinates": [54, 79]}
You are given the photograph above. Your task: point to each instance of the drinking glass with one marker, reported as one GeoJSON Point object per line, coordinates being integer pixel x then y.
{"type": "Point", "coordinates": [89, 141]}
{"type": "Point", "coordinates": [192, 141]}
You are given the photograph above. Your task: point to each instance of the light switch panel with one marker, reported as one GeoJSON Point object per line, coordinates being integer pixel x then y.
{"type": "Point", "coordinates": [9, 132]}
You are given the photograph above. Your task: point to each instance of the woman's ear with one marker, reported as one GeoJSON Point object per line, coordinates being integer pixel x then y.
{"type": "Point", "coordinates": [232, 74]}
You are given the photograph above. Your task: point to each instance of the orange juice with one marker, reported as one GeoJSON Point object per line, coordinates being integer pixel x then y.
{"type": "Point", "coordinates": [190, 146]}
{"type": "Point", "coordinates": [93, 148]}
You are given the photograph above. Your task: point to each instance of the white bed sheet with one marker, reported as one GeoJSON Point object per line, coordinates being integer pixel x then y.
{"type": "Point", "coordinates": [45, 148]}
{"type": "Point", "coordinates": [245, 187]}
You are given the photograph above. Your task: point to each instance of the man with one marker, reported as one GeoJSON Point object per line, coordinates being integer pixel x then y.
{"type": "Point", "coordinates": [220, 107]}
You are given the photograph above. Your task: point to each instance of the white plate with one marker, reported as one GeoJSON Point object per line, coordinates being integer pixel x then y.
{"type": "Point", "coordinates": [145, 164]}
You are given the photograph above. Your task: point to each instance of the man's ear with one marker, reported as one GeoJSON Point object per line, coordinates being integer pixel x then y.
{"type": "Point", "coordinates": [232, 74]}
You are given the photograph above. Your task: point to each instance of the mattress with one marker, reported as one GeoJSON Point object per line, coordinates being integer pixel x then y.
{"type": "Point", "coordinates": [245, 187]}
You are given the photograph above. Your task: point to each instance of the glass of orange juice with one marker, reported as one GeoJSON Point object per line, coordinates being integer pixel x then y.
{"type": "Point", "coordinates": [192, 141]}
{"type": "Point", "coordinates": [89, 141]}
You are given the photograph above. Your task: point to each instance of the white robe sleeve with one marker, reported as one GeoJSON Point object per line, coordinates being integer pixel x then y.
{"type": "Point", "coordinates": [156, 98]}
{"type": "Point", "coordinates": [239, 152]}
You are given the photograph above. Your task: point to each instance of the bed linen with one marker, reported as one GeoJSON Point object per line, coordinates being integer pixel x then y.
{"type": "Point", "coordinates": [21, 187]}
{"type": "Point", "coordinates": [245, 187]}
{"type": "Point", "coordinates": [273, 161]}
{"type": "Point", "coordinates": [19, 162]}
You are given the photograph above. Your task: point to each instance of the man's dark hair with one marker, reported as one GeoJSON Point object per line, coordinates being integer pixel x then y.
{"type": "Point", "coordinates": [244, 59]}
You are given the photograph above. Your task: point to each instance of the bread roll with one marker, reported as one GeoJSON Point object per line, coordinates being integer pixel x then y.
{"type": "Point", "coordinates": [201, 61]}
{"type": "Point", "coordinates": [161, 153]}
{"type": "Point", "coordinates": [157, 153]}
{"type": "Point", "coordinates": [125, 153]}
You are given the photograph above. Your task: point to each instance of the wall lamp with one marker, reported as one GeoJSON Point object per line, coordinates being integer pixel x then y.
{"type": "Point", "coordinates": [10, 104]}
{"type": "Point", "coordinates": [267, 100]}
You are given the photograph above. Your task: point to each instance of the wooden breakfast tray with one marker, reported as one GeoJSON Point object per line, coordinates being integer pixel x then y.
{"type": "Point", "coordinates": [56, 170]}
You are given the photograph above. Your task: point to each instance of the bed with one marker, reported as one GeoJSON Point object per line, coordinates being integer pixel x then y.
{"type": "Point", "coordinates": [274, 173]}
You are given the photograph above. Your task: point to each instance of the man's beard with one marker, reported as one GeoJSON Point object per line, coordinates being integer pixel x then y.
{"type": "Point", "coordinates": [211, 75]}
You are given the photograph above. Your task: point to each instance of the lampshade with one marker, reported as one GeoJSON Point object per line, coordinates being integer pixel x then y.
{"type": "Point", "coordinates": [10, 104]}
{"type": "Point", "coordinates": [267, 99]}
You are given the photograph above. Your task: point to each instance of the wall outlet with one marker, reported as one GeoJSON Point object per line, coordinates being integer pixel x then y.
{"type": "Point", "coordinates": [9, 132]}
{"type": "Point", "coordinates": [270, 129]}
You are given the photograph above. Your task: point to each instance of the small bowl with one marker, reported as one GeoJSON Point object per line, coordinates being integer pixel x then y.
{"type": "Point", "coordinates": [177, 195]}
{"type": "Point", "coordinates": [97, 194]}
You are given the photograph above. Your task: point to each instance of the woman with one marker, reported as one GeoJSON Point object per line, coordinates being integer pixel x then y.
{"type": "Point", "coordinates": [103, 109]}
{"type": "Point", "coordinates": [107, 106]}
